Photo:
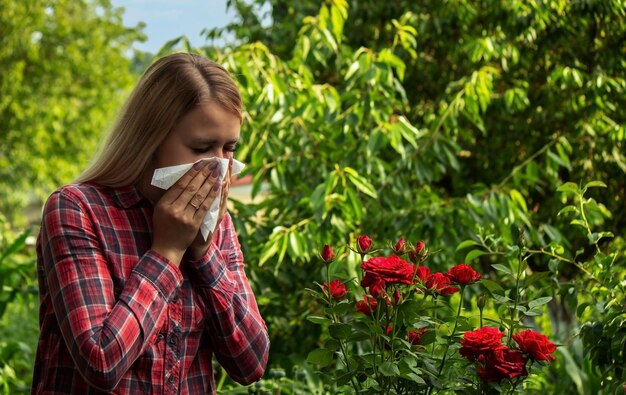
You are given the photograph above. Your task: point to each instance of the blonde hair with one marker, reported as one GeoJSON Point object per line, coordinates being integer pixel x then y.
{"type": "Point", "coordinates": [169, 89]}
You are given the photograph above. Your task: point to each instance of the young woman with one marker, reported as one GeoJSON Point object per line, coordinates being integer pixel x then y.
{"type": "Point", "coordinates": [133, 299]}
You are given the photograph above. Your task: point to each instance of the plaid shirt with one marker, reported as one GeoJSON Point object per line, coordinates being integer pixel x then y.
{"type": "Point", "coordinates": [116, 317]}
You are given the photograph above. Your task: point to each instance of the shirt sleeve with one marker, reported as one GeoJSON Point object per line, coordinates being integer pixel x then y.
{"type": "Point", "coordinates": [238, 333]}
{"type": "Point", "coordinates": [104, 334]}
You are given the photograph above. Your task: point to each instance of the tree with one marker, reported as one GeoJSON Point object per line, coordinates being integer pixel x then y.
{"type": "Point", "coordinates": [447, 121]}
{"type": "Point", "coordinates": [64, 73]}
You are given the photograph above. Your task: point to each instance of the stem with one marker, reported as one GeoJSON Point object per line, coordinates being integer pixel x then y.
{"type": "Point", "coordinates": [456, 323]}
{"type": "Point", "coordinates": [344, 352]}
{"type": "Point", "coordinates": [514, 311]}
{"type": "Point", "coordinates": [582, 214]}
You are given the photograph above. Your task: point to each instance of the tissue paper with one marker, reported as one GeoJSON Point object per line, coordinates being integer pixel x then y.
{"type": "Point", "coordinates": [165, 177]}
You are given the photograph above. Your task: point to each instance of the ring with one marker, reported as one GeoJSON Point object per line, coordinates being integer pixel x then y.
{"type": "Point", "coordinates": [194, 206]}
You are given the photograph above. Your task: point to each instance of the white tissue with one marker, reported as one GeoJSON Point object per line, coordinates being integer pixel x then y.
{"type": "Point", "coordinates": [165, 177]}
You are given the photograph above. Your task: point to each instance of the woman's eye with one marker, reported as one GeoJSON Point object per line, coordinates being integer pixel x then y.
{"type": "Point", "coordinates": [201, 150]}
{"type": "Point", "coordinates": [231, 148]}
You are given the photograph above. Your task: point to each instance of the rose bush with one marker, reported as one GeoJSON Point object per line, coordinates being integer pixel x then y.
{"type": "Point", "coordinates": [393, 328]}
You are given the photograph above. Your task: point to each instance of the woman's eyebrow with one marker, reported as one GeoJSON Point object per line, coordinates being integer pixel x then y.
{"type": "Point", "coordinates": [213, 141]}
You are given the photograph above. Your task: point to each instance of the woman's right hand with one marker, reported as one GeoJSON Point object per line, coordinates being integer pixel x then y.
{"type": "Point", "coordinates": [179, 213]}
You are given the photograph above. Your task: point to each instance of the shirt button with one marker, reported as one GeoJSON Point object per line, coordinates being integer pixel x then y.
{"type": "Point", "coordinates": [171, 379]}
{"type": "Point", "coordinates": [173, 340]}
{"type": "Point", "coordinates": [160, 337]}
{"type": "Point", "coordinates": [175, 298]}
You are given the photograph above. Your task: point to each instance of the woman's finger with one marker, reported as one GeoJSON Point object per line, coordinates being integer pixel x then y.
{"type": "Point", "coordinates": [185, 182]}
{"type": "Point", "coordinates": [191, 196]}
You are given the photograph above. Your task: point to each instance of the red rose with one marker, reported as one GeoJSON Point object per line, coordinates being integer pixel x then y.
{"type": "Point", "coordinates": [463, 274]}
{"type": "Point", "coordinates": [391, 269]}
{"type": "Point", "coordinates": [337, 289]}
{"type": "Point", "coordinates": [396, 296]}
{"type": "Point", "coordinates": [422, 273]}
{"type": "Point", "coordinates": [327, 254]}
{"type": "Point", "coordinates": [388, 330]}
{"type": "Point", "coordinates": [536, 345]}
{"type": "Point", "coordinates": [419, 246]}
{"type": "Point", "coordinates": [366, 306]}
{"type": "Point", "coordinates": [363, 243]}
{"type": "Point", "coordinates": [400, 247]}
{"type": "Point", "coordinates": [503, 363]}
{"type": "Point", "coordinates": [415, 337]}
{"type": "Point", "coordinates": [440, 284]}
{"type": "Point", "coordinates": [480, 342]}
{"type": "Point", "coordinates": [376, 284]}
{"type": "Point", "coordinates": [414, 256]}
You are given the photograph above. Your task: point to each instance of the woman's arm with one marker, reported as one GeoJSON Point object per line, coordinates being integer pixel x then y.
{"type": "Point", "coordinates": [238, 333]}
{"type": "Point", "coordinates": [104, 335]}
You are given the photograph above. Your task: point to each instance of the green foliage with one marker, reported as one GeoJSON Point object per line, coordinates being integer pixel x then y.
{"type": "Point", "coordinates": [64, 73]}
{"type": "Point", "coordinates": [445, 121]}
{"type": "Point", "coordinates": [18, 311]}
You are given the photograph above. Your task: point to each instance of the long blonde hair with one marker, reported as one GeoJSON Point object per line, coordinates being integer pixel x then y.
{"type": "Point", "coordinates": [169, 88]}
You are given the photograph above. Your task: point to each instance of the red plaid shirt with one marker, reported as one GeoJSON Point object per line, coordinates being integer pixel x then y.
{"type": "Point", "coordinates": [116, 317]}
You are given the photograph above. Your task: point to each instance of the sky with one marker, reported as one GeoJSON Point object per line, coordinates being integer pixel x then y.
{"type": "Point", "coordinates": [168, 19]}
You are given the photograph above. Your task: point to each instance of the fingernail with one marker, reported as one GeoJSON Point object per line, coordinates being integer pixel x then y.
{"type": "Point", "coordinates": [199, 165]}
{"type": "Point", "coordinates": [212, 166]}
{"type": "Point", "coordinates": [216, 186]}
{"type": "Point", "coordinates": [216, 171]}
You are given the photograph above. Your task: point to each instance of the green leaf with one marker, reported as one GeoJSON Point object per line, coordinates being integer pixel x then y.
{"type": "Point", "coordinates": [568, 209]}
{"type": "Point", "coordinates": [503, 269]}
{"type": "Point", "coordinates": [466, 243]}
{"type": "Point", "coordinates": [340, 330]}
{"type": "Point", "coordinates": [569, 187]}
{"type": "Point", "coordinates": [473, 254]}
{"type": "Point", "coordinates": [322, 357]}
{"type": "Point", "coordinates": [492, 286]}
{"type": "Point", "coordinates": [595, 184]}
{"type": "Point", "coordinates": [533, 312]}
{"type": "Point", "coordinates": [317, 319]}
{"type": "Point", "coordinates": [389, 369]}
{"type": "Point", "coordinates": [539, 301]}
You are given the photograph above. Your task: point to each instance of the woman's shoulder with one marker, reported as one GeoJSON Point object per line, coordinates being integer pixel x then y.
{"type": "Point", "coordinates": [78, 193]}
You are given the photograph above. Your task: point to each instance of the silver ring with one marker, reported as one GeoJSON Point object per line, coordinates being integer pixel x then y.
{"type": "Point", "coordinates": [194, 206]}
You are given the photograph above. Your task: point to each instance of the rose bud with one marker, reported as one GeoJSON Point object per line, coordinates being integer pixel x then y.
{"type": "Point", "coordinates": [400, 247]}
{"type": "Point", "coordinates": [414, 256]}
{"type": "Point", "coordinates": [327, 254]}
{"type": "Point", "coordinates": [419, 246]}
{"type": "Point", "coordinates": [397, 296]}
{"type": "Point", "coordinates": [337, 289]}
{"type": "Point", "coordinates": [363, 243]}
{"type": "Point", "coordinates": [415, 337]}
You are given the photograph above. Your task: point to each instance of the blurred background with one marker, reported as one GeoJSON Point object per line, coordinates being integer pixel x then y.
{"type": "Point", "coordinates": [438, 120]}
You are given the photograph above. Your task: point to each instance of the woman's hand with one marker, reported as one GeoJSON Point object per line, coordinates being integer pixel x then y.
{"type": "Point", "coordinates": [179, 213]}
{"type": "Point", "coordinates": [198, 248]}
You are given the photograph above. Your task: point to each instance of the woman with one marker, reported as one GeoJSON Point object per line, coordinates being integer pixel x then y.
{"type": "Point", "coordinates": [133, 299]}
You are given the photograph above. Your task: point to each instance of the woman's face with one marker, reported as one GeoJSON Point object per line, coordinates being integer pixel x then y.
{"type": "Point", "coordinates": [204, 132]}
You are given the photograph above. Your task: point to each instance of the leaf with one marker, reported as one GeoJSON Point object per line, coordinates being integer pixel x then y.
{"type": "Point", "coordinates": [569, 187]}
{"type": "Point", "coordinates": [322, 357]}
{"type": "Point", "coordinates": [568, 209]}
{"type": "Point", "coordinates": [502, 268]}
{"type": "Point", "coordinates": [466, 243]}
{"type": "Point", "coordinates": [339, 331]}
{"type": "Point", "coordinates": [317, 319]}
{"type": "Point", "coordinates": [533, 312]}
{"type": "Point", "coordinates": [473, 254]}
{"type": "Point", "coordinates": [595, 184]}
{"type": "Point", "coordinates": [492, 286]}
{"type": "Point", "coordinates": [539, 301]}
{"type": "Point", "coordinates": [389, 369]}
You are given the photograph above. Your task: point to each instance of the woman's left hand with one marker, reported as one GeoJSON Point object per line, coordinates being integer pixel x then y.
{"type": "Point", "coordinates": [199, 246]}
